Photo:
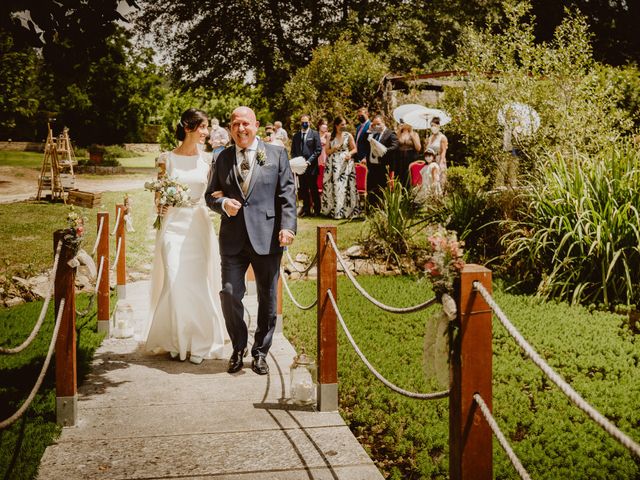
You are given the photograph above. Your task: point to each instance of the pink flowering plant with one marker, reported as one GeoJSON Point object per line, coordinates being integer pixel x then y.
{"type": "Point", "coordinates": [445, 262]}
{"type": "Point", "coordinates": [74, 233]}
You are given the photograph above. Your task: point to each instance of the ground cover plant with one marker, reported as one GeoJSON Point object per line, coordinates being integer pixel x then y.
{"type": "Point", "coordinates": [23, 443]}
{"type": "Point", "coordinates": [408, 439]}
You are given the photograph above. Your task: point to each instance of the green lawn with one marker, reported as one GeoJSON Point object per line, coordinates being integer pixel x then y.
{"type": "Point", "coordinates": [28, 228]}
{"type": "Point", "coordinates": [408, 438]}
{"type": "Point", "coordinates": [34, 160]}
{"type": "Point", "coordinates": [23, 443]}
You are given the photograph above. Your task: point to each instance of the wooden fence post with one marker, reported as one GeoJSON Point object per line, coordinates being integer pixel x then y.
{"type": "Point", "coordinates": [103, 286]}
{"type": "Point", "coordinates": [66, 391]}
{"type": "Point", "coordinates": [279, 325]}
{"type": "Point", "coordinates": [327, 325]}
{"type": "Point", "coordinates": [121, 266]}
{"type": "Point", "coordinates": [470, 437]}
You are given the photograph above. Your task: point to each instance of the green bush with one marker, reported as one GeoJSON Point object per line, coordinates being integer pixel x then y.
{"type": "Point", "coordinates": [582, 105]}
{"type": "Point", "coordinates": [118, 151]}
{"type": "Point", "coordinates": [579, 229]}
{"type": "Point", "coordinates": [408, 438]}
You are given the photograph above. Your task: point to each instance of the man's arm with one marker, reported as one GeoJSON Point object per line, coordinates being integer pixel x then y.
{"type": "Point", "coordinates": [286, 194]}
{"type": "Point", "coordinates": [313, 159]}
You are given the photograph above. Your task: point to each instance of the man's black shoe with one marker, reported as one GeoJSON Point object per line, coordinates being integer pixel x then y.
{"type": "Point", "coordinates": [259, 365]}
{"type": "Point", "coordinates": [235, 362]}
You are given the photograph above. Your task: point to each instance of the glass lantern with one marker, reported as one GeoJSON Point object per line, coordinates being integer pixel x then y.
{"type": "Point", "coordinates": [123, 320]}
{"type": "Point", "coordinates": [303, 380]}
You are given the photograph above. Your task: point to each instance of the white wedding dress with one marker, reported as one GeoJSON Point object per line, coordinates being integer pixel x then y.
{"type": "Point", "coordinates": [185, 313]}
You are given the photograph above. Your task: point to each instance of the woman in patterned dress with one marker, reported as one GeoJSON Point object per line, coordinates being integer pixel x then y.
{"type": "Point", "coordinates": [339, 193]}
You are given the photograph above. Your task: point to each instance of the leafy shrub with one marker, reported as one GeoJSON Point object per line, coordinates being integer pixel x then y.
{"type": "Point", "coordinates": [118, 151]}
{"type": "Point", "coordinates": [393, 224]}
{"type": "Point", "coordinates": [581, 106]}
{"type": "Point", "coordinates": [579, 228]}
{"type": "Point", "coordinates": [340, 78]}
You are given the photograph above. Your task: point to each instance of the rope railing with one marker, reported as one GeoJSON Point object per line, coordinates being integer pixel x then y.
{"type": "Point", "coordinates": [564, 387]}
{"type": "Point", "coordinates": [365, 294]}
{"type": "Point", "coordinates": [95, 246]}
{"type": "Point", "coordinates": [43, 311]}
{"type": "Point", "coordinates": [387, 383]}
{"type": "Point", "coordinates": [94, 293]}
{"type": "Point", "coordinates": [292, 263]}
{"type": "Point", "coordinates": [295, 302]}
{"type": "Point", "coordinates": [5, 423]}
{"type": "Point", "coordinates": [115, 227]}
{"type": "Point", "coordinates": [502, 440]}
{"type": "Point", "coordinates": [117, 257]}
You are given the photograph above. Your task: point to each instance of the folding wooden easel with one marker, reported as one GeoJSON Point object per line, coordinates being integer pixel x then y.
{"type": "Point", "coordinates": [57, 166]}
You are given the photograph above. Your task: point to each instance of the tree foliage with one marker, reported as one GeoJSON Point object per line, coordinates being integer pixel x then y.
{"type": "Point", "coordinates": [339, 79]}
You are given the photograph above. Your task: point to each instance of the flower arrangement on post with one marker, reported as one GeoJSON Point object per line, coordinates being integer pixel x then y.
{"type": "Point", "coordinates": [74, 233]}
{"type": "Point", "coordinates": [445, 262]}
{"type": "Point", "coordinates": [170, 193]}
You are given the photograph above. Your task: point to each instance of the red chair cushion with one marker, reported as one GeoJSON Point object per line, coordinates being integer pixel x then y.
{"type": "Point", "coordinates": [415, 168]}
{"type": "Point", "coordinates": [361, 178]}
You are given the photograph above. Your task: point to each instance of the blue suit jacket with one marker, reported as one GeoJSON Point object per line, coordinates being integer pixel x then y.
{"type": "Point", "coordinates": [268, 207]}
{"type": "Point", "coordinates": [362, 143]}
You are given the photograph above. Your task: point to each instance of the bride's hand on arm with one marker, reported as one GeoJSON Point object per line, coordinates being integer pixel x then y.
{"type": "Point", "coordinates": [217, 194]}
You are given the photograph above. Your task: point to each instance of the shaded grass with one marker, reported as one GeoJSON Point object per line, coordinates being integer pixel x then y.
{"type": "Point", "coordinates": [23, 443]}
{"type": "Point", "coordinates": [408, 439]}
{"type": "Point", "coordinates": [349, 233]}
{"type": "Point", "coordinates": [34, 160]}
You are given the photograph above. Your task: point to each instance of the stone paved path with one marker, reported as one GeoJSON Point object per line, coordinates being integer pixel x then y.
{"type": "Point", "coordinates": [147, 417]}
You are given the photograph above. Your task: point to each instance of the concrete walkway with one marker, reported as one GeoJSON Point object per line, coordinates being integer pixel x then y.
{"type": "Point", "coordinates": [142, 416]}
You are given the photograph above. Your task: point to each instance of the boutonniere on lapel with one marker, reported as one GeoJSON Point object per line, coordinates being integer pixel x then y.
{"type": "Point", "coordinates": [261, 157]}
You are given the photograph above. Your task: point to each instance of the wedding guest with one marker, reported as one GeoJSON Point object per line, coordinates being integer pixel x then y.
{"type": "Point", "coordinates": [362, 129]}
{"type": "Point", "coordinates": [325, 135]}
{"type": "Point", "coordinates": [269, 136]}
{"type": "Point", "coordinates": [306, 143]}
{"type": "Point", "coordinates": [339, 192]}
{"type": "Point", "coordinates": [408, 150]}
{"type": "Point", "coordinates": [280, 133]}
{"type": "Point", "coordinates": [378, 162]}
{"type": "Point", "coordinates": [438, 142]}
{"type": "Point", "coordinates": [219, 137]}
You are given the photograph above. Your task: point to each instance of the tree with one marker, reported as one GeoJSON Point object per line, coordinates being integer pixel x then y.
{"type": "Point", "coordinates": [339, 79]}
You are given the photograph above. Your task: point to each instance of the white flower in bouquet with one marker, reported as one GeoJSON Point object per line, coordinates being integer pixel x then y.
{"type": "Point", "coordinates": [171, 194]}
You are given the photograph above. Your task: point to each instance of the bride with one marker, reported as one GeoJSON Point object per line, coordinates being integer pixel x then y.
{"type": "Point", "coordinates": [185, 313]}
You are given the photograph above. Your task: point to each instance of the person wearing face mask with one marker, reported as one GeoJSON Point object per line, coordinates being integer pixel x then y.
{"type": "Point", "coordinates": [362, 129]}
{"type": "Point", "coordinates": [339, 191]}
{"type": "Point", "coordinates": [306, 143]}
{"type": "Point", "coordinates": [383, 148]}
{"type": "Point", "coordinates": [408, 151]}
{"type": "Point", "coordinates": [438, 142]}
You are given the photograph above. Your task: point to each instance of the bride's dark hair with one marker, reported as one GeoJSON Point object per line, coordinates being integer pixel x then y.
{"type": "Point", "coordinates": [190, 119]}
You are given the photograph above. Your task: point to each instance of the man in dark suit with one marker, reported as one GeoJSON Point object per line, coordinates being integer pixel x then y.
{"type": "Point", "coordinates": [252, 188]}
{"type": "Point", "coordinates": [306, 143]}
{"type": "Point", "coordinates": [377, 163]}
{"type": "Point", "coordinates": [362, 129]}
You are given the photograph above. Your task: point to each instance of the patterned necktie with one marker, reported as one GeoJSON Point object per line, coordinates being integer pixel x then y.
{"type": "Point", "coordinates": [304, 134]}
{"type": "Point", "coordinates": [244, 165]}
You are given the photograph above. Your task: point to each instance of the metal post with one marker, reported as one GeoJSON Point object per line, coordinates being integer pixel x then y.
{"type": "Point", "coordinates": [66, 391]}
{"type": "Point", "coordinates": [103, 286]}
{"type": "Point", "coordinates": [327, 322]}
{"type": "Point", "coordinates": [121, 267]}
{"type": "Point", "coordinates": [470, 437]}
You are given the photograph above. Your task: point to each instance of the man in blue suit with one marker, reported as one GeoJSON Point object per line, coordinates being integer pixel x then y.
{"type": "Point", "coordinates": [306, 143]}
{"type": "Point", "coordinates": [362, 131]}
{"type": "Point", "coordinates": [252, 188]}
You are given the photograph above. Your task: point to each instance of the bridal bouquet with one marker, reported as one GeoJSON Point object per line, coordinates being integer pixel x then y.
{"type": "Point", "coordinates": [446, 262]}
{"type": "Point", "coordinates": [171, 194]}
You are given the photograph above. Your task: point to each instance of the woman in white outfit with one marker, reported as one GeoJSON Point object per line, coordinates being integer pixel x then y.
{"type": "Point", "coordinates": [438, 142]}
{"type": "Point", "coordinates": [185, 314]}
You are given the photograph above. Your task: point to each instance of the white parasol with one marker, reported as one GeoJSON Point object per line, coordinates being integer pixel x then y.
{"type": "Point", "coordinates": [420, 119]}
{"type": "Point", "coordinates": [298, 165]}
{"type": "Point", "coordinates": [402, 110]}
{"type": "Point", "coordinates": [519, 117]}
